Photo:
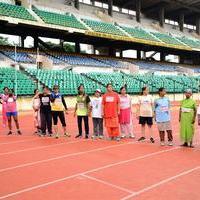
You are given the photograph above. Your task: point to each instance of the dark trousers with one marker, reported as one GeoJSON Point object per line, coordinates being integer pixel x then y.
{"type": "Point", "coordinates": [169, 135]}
{"type": "Point", "coordinates": [97, 126]}
{"type": "Point", "coordinates": [46, 121]}
{"type": "Point", "coordinates": [79, 120]}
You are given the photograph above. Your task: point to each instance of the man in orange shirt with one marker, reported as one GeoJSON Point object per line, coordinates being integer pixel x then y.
{"type": "Point", "coordinates": [110, 112]}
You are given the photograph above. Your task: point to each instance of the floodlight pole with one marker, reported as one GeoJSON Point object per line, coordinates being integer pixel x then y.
{"type": "Point", "coordinates": [37, 64]}
{"type": "Point", "coordinates": [16, 70]}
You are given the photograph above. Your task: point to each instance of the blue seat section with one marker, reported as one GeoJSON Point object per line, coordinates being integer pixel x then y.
{"type": "Point", "coordinates": [155, 66]}
{"type": "Point", "coordinates": [22, 57]}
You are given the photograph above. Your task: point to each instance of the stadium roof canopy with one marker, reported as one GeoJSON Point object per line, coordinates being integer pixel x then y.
{"type": "Point", "coordinates": [173, 8]}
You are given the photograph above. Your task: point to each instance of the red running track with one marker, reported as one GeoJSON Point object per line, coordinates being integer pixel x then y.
{"type": "Point", "coordinates": [69, 168]}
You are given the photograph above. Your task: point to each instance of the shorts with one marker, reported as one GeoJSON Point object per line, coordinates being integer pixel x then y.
{"type": "Point", "coordinates": [60, 115]}
{"type": "Point", "coordinates": [164, 126]}
{"type": "Point", "coordinates": [146, 120]}
{"type": "Point", "coordinates": [9, 114]}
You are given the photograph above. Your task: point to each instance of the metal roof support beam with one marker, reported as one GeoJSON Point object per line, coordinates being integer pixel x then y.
{"type": "Point", "coordinates": [162, 16]}
{"type": "Point", "coordinates": [138, 11]}
{"type": "Point", "coordinates": [181, 21]}
{"type": "Point", "coordinates": [110, 7]}
{"type": "Point", "coordinates": [76, 4]}
{"type": "Point", "coordinates": [198, 25]}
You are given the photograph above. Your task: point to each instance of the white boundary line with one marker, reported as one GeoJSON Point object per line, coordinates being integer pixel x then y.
{"type": "Point", "coordinates": [63, 156]}
{"type": "Point", "coordinates": [146, 189]}
{"type": "Point", "coordinates": [107, 183]}
{"type": "Point", "coordinates": [19, 141]}
{"type": "Point", "coordinates": [86, 172]}
{"type": "Point", "coordinates": [40, 147]}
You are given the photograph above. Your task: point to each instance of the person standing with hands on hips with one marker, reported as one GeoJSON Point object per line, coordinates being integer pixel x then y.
{"type": "Point", "coordinates": [58, 109]}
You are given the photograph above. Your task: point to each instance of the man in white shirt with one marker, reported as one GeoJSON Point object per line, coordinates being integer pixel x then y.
{"type": "Point", "coordinates": [96, 106]}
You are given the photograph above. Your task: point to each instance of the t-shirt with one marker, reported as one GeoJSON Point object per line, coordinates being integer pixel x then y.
{"type": "Point", "coordinates": [125, 102]}
{"type": "Point", "coordinates": [58, 102]}
{"type": "Point", "coordinates": [11, 105]}
{"type": "Point", "coordinates": [145, 103]}
{"type": "Point", "coordinates": [96, 104]}
{"type": "Point", "coordinates": [162, 109]}
{"type": "Point", "coordinates": [45, 102]}
{"type": "Point", "coordinates": [110, 101]}
{"type": "Point", "coordinates": [82, 105]}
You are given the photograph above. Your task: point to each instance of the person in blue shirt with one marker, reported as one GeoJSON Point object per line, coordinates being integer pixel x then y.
{"type": "Point", "coordinates": [162, 117]}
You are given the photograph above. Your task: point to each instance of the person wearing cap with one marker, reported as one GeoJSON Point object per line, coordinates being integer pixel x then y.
{"type": "Point", "coordinates": [96, 107]}
{"type": "Point", "coordinates": [58, 107]}
{"type": "Point", "coordinates": [187, 115]}
{"type": "Point", "coordinates": [110, 112]}
{"type": "Point", "coordinates": [125, 116]}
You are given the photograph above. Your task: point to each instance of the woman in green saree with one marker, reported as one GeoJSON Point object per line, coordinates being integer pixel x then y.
{"type": "Point", "coordinates": [187, 115]}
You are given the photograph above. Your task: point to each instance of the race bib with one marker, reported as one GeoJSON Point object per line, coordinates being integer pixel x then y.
{"type": "Point", "coordinates": [164, 109]}
{"type": "Point", "coordinates": [186, 110]}
{"type": "Point", "coordinates": [109, 99]}
{"type": "Point", "coordinates": [81, 105]}
{"type": "Point", "coordinates": [58, 100]}
{"type": "Point", "coordinates": [10, 100]}
{"type": "Point", "coordinates": [45, 99]}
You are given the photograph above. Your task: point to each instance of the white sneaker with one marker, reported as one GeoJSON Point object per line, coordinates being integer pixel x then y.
{"type": "Point", "coordinates": [170, 144]}
{"type": "Point", "coordinates": [101, 137]}
{"type": "Point", "coordinates": [123, 136]}
{"type": "Point", "coordinates": [162, 143]}
{"type": "Point", "coordinates": [132, 136]}
{"type": "Point", "coordinates": [93, 137]}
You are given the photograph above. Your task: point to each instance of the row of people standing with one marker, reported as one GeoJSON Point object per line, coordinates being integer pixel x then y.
{"type": "Point", "coordinates": [115, 110]}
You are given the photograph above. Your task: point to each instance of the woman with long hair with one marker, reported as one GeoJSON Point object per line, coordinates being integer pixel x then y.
{"type": "Point", "coordinates": [125, 116]}
{"type": "Point", "coordinates": [82, 110]}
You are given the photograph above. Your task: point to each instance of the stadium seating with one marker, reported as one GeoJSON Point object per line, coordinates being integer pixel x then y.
{"type": "Point", "coordinates": [168, 39]}
{"type": "Point", "coordinates": [139, 33]}
{"type": "Point", "coordinates": [190, 42]}
{"type": "Point", "coordinates": [15, 11]}
{"type": "Point", "coordinates": [103, 27]}
{"type": "Point", "coordinates": [66, 20]}
{"type": "Point", "coordinates": [67, 80]}
{"type": "Point", "coordinates": [25, 86]}
{"type": "Point", "coordinates": [155, 66]}
{"type": "Point", "coordinates": [21, 57]}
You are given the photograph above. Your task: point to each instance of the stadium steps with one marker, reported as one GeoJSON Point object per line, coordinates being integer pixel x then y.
{"type": "Point", "coordinates": [93, 79]}
{"type": "Point", "coordinates": [35, 15]}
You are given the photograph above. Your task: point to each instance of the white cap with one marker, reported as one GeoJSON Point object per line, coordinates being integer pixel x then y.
{"type": "Point", "coordinates": [98, 90]}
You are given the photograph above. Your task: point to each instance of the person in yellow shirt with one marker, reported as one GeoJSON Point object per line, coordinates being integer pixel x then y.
{"type": "Point", "coordinates": [58, 107]}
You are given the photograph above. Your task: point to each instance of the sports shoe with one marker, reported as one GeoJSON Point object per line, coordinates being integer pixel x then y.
{"type": "Point", "coordinates": [57, 136]}
{"type": "Point", "coordinates": [101, 137]}
{"type": "Point", "coordinates": [132, 136]}
{"type": "Point", "coordinates": [78, 136]}
{"type": "Point", "coordinates": [86, 137]}
{"type": "Point", "coordinates": [67, 135]}
{"type": "Point", "coordinates": [94, 137]}
{"type": "Point", "coordinates": [152, 140]}
{"type": "Point", "coordinates": [170, 143]}
{"type": "Point", "coordinates": [117, 139]}
{"type": "Point", "coordinates": [9, 133]}
{"type": "Point", "coordinates": [162, 143]}
{"type": "Point", "coordinates": [141, 139]}
{"type": "Point", "coordinates": [123, 136]}
{"type": "Point", "coordinates": [19, 132]}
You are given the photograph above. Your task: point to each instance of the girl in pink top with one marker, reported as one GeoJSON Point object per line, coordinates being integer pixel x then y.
{"type": "Point", "coordinates": [3, 96]}
{"type": "Point", "coordinates": [125, 116]}
{"type": "Point", "coordinates": [11, 111]}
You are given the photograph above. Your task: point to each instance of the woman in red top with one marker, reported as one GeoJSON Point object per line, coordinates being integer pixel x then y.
{"type": "Point", "coordinates": [110, 111]}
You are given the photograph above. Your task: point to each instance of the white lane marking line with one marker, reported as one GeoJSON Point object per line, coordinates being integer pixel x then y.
{"type": "Point", "coordinates": [86, 172]}
{"type": "Point", "coordinates": [63, 156]}
{"type": "Point", "coordinates": [40, 147]}
{"type": "Point", "coordinates": [107, 183]}
{"type": "Point", "coordinates": [146, 189]}
{"type": "Point", "coordinates": [19, 141]}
